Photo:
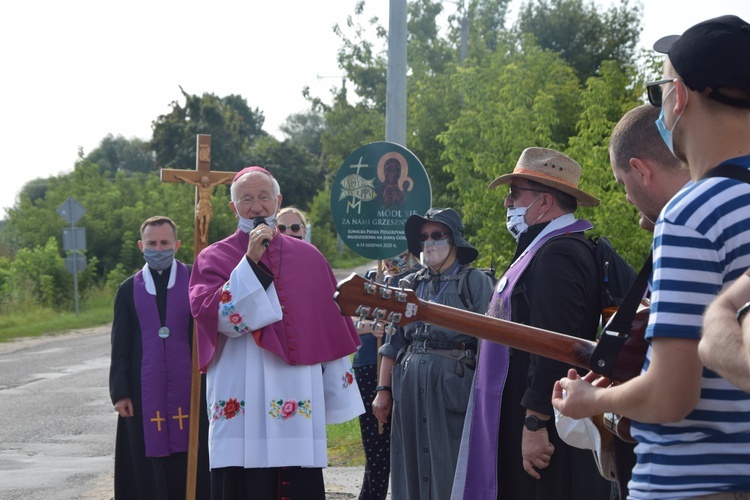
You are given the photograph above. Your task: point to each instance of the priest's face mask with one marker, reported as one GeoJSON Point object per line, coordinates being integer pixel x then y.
{"type": "Point", "coordinates": [158, 244]}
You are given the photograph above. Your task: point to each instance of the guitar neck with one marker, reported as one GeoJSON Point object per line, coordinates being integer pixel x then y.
{"type": "Point", "coordinates": [565, 348]}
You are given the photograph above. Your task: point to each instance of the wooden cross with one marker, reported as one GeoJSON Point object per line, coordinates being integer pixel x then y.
{"type": "Point", "coordinates": [204, 181]}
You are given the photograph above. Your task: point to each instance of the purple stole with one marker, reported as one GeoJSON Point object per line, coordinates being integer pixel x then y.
{"type": "Point", "coordinates": [489, 380]}
{"type": "Point", "coordinates": [165, 366]}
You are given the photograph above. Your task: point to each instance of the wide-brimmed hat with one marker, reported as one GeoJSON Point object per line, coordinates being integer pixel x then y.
{"type": "Point", "coordinates": [551, 168]}
{"type": "Point", "coordinates": [712, 55]}
{"type": "Point", "coordinates": [466, 253]}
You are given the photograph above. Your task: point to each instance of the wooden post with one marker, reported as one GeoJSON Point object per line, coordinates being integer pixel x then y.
{"type": "Point", "coordinates": [204, 181]}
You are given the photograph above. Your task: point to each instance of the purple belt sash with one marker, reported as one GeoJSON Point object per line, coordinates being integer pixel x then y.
{"type": "Point", "coordinates": [165, 367]}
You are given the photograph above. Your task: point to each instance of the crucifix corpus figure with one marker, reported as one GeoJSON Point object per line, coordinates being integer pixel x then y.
{"type": "Point", "coordinates": [203, 213]}
{"type": "Point", "coordinates": [204, 181]}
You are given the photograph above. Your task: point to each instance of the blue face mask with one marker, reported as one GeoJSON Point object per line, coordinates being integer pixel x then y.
{"type": "Point", "coordinates": [666, 133]}
{"type": "Point", "coordinates": [158, 260]}
{"type": "Point", "coordinates": [247, 225]}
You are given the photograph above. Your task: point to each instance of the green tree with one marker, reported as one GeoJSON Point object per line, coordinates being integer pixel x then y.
{"type": "Point", "coordinates": [232, 125]}
{"type": "Point", "coordinates": [118, 153]}
{"type": "Point", "coordinates": [304, 130]}
{"type": "Point", "coordinates": [521, 97]}
{"type": "Point", "coordinates": [38, 276]}
{"type": "Point", "coordinates": [581, 33]}
{"type": "Point", "coordinates": [299, 173]}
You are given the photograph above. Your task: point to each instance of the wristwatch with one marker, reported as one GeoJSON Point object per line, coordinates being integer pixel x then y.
{"type": "Point", "coordinates": [382, 388]}
{"type": "Point", "coordinates": [532, 423]}
{"type": "Point", "coordinates": [742, 311]}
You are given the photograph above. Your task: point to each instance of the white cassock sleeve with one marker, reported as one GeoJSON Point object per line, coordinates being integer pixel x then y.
{"type": "Point", "coordinates": [244, 292]}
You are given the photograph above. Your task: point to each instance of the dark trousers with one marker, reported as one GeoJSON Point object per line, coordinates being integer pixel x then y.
{"type": "Point", "coordinates": [377, 446]}
{"type": "Point", "coordinates": [274, 483]}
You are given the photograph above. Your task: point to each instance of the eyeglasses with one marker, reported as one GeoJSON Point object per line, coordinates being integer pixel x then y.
{"type": "Point", "coordinates": [293, 227]}
{"type": "Point", "coordinates": [655, 92]}
{"type": "Point", "coordinates": [435, 235]}
{"type": "Point", "coordinates": [249, 202]}
{"type": "Point", "coordinates": [514, 193]}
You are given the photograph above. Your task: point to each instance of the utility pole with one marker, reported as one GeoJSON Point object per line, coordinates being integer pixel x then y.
{"type": "Point", "coordinates": [395, 100]}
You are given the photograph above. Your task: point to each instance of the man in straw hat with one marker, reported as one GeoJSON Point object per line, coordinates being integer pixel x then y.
{"type": "Point", "coordinates": [512, 449]}
{"type": "Point", "coordinates": [432, 366]}
{"type": "Point", "coordinates": [691, 425]}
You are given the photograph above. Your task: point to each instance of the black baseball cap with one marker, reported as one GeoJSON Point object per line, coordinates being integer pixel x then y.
{"type": "Point", "coordinates": [712, 55]}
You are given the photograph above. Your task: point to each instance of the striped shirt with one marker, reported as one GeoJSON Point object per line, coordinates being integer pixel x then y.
{"type": "Point", "coordinates": [701, 243]}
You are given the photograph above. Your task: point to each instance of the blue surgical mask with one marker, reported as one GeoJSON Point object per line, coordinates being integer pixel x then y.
{"type": "Point", "coordinates": [247, 225]}
{"type": "Point", "coordinates": [667, 134]}
{"type": "Point", "coordinates": [158, 260]}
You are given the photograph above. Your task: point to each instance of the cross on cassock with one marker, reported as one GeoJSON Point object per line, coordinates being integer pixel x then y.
{"type": "Point", "coordinates": [204, 181]}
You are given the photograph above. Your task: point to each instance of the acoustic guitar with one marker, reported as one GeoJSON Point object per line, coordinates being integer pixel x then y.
{"type": "Point", "coordinates": [389, 306]}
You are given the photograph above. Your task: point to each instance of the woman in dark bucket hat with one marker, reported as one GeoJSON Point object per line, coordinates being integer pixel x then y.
{"type": "Point", "coordinates": [429, 399]}
{"type": "Point", "coordinates": [466, 252]}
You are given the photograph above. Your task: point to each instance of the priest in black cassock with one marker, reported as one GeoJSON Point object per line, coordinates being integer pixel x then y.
{"type": "Point", "coordinates": [150, 374]}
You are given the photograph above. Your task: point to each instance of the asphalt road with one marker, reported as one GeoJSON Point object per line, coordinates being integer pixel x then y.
{"type": "Point", "coordinates": [57, 425]}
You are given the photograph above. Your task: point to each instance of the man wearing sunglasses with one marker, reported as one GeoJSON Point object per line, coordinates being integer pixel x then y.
{"type": "Point", "coordinates": [691, 425]}
{"type": "Point", "coordinates": [427, 370]}
{"type": "Point", "coordinates": [512, 449]}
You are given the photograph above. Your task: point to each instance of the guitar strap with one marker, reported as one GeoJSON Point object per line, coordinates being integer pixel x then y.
{"type": "Point", "coordinates": [617, 331]}
{"type": "Point", "coordinates": [729, 170]}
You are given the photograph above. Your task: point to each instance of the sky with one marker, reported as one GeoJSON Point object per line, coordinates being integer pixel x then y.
{"type": "Point", "coordinates": [73, 72]}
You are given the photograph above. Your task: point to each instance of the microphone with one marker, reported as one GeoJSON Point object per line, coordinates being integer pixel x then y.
{"type": "Point", "coordinates": [258, 221]}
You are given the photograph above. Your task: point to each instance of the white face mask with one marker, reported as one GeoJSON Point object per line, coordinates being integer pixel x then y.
{"type": "Point", "coordinates": [247, 225]}
{"type": "Point", "coordinates": [515, 220]}
{"type": "Point", "coordinates": [436, 252]}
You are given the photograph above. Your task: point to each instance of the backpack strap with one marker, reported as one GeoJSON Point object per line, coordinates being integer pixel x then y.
{"type": "Point", "coordinates": [464, 292]}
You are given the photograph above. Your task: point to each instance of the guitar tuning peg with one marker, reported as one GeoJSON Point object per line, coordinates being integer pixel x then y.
{"type": "Point", "coordinates": [371, 287]}
{"type": "Point", "coordinates": [376, 325]}
{"type": "Point", "coordinates": [378, 313]}
{"type": "Point", "coordinates": [390, 329]}
{"type": "Point", "coordinates": [386, 293]}
{"type": "Point", "coordinates": [360, 322]}
{"type": "Point", "coordinates": [363, 311]}
{"type": "Point", "coordinates": [401, 296]}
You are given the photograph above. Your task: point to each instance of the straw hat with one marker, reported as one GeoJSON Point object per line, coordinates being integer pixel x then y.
{"type": "Point", "coordinates": [551, 168]}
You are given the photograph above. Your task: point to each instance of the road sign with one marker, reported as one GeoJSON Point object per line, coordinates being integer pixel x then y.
{"type": "Point", "coordinates": [75, 262]}
{"type": "Point", "coordinates": [376, 189]}
{"type": "Point", "coordinates": [71, 210]}
{"type": "Point", "coordinates": [74, 238]}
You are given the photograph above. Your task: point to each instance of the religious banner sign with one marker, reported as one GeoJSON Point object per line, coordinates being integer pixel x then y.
{"type": "Point", "coordinates": [376, 189]}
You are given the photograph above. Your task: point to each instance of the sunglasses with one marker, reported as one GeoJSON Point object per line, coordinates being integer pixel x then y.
{"type": "Point", "coordinates": [435, 235]}
{"type": "Point", "coordinates": [515, 192]}
{"type": "Point", "coordinates": [655, 92]}
{"type": "Point", "coordinates": [293, 227]}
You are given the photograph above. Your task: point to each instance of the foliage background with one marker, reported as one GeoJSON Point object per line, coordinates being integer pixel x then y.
{"type": "Point", "coordinates": [560, 78]}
